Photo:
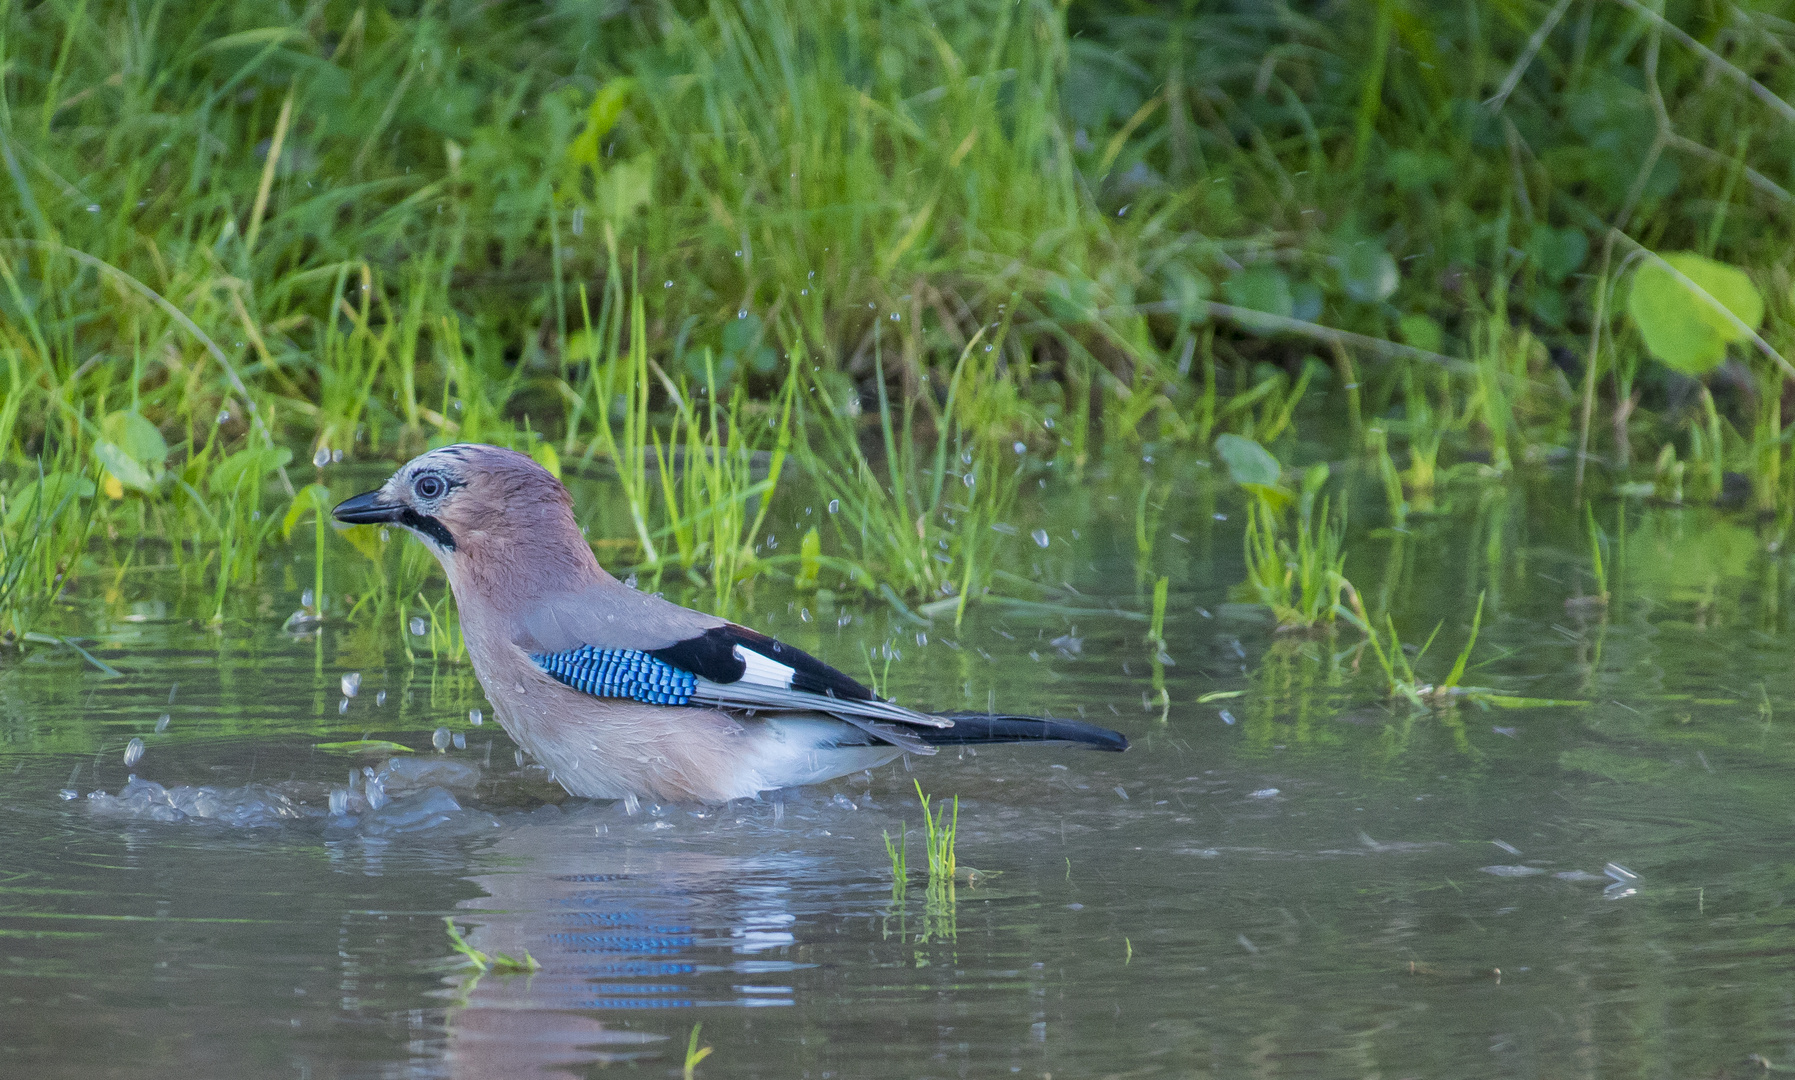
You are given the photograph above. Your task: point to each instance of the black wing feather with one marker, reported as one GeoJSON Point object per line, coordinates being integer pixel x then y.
{"type": "Point", "coordinates": [712, 656]}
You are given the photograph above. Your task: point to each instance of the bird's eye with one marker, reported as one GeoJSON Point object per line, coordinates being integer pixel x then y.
{"type": "Point", "coordinates": [429, 486]}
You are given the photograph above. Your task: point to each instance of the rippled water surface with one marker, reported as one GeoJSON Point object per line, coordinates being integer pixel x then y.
{"type": "Point", "coordinates": [1303, 878]}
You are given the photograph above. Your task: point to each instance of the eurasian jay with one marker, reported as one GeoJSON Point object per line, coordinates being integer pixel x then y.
{"type": "Point", "coordinates": [622, 693]}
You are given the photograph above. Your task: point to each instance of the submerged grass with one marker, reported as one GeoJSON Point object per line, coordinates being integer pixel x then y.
{"type": "Point", "coordinates": [483, 962]}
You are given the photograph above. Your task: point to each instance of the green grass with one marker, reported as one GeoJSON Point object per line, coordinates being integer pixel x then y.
{"type": "Point", "coordinates": [898, 852]}
{"type": "Point", "coordinates": [483, 962]}
{"type": "Point", "coordinates": [942, 832]}
{"type": "Point", "coordinates": [694, 1053]}
{"type": "Point", "coordinates": [927, 257]}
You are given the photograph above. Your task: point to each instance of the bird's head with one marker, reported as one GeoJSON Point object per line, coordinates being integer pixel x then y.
{"type": "Point", "coordinates": [477, 506]}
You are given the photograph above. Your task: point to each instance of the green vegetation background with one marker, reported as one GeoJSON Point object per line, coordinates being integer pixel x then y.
{"type": "Point", "coordinates": [961, 243]}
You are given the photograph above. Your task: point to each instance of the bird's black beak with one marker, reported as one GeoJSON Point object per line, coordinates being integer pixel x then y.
{"type": "Point", "coordinates": [367, 509]}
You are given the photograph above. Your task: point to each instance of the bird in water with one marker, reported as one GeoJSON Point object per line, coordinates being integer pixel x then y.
{"type": "Point", "coordinates": [623, 693]}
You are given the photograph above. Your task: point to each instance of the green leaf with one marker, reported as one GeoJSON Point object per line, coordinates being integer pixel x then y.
{"type": "Point", "coordinates": [1422, 332]}
{"type": "Point", "coordinates": [363, 746]}
{"type": "Point", "coordinates": [1248, 462]}
{"type": "Point", "coordinates": [136, 436]}
{"type": "Point", "coordinates": [810, 560]}
{"type": "Point", "coordinates": [1189, 290]}
{"type": "Point", "coordinates": [1557, 253]}
{"type": "Point", "coordinates": [124, 467]}
{"type": "Point", "coordinates": [1314, 477]}
{"type": "Point", "coordinates": [625, 188]}
{"type": "Point", "coordinates": [543, 453]}
{"type": "Point", "coordinates": [1274, 498]}
{"type": "Point", "coordinates": [601, 116]}
{"type": "Point", "coordinates": [1261, 288]}
{"type": "Point", "coordinates": [1411, 169]}
{"type": "Point", "coordinates": [1510, 701]}
{"type": "Point", "coordinates": [47, 497]}
{"type": "Point", "coordinates": [245, 467]}
{"type": "Point", "coordinates": [1368, 273]}
{"type": "Point", "coordinates": [1687, 330]}
{"type": "Point", "coordinates": [310, 497]}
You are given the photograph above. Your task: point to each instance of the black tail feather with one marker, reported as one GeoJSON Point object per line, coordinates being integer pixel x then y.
{"type": "Point", "coordinates": [972, 727]}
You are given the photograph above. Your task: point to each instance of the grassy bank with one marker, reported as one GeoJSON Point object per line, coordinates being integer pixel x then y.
{"type": "Point", "coordinates": [925, 256]}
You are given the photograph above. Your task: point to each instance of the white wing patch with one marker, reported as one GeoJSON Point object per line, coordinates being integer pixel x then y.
{"type": "Point", "coordinates": [764, 671]}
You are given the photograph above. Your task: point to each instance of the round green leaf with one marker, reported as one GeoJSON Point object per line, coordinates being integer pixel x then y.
{"type": "Point", "coordinates": [136, 437]}
{"type": "Point", "coordinates": [247, 466]}
{"type": "Point", "coordinates": [124, 467]}
{"type": "Point", "coordinates": [47, 496]}
{"type": "Point", "coordinates": [1422, 332]}
{"type": "Point", "coordinates": [1683, 327]}
{"type": "Point", "coordinates": [1261, 288]}
{"type": "Point", "coordinates": [1368, 273]}
{"type": "Point", "coordinates": [1248, 462]}
{"type": "Point", "coordinates": [1558, 253]}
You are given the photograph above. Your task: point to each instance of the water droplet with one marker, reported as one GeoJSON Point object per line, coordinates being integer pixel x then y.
{"type": "Point", "coordinates": [93, 207]}
{"type": "Point", "coordinates": [1040, 536]}
{"type": "Point", "coordinates": [476, 717]}
{"type": "Point", "coordinates": [133, 752]}
{"type": "Point", "coordinates": [632, 805]}
{"type": "Point", "coordinates": [987, 348]}
{"type": "Point", "coordinates": [223, 415]}
{"type": "Point", "coordinates": [894, 316]}
{"type": "Point", "coordinates": [969, 479]}
{"type": "Point", "coordinates": [742, 314]}
{"type": "Point", "coordinates": [322, 457]}
{"type": "Point", "coordinates": [1047, 422]}
{"type": "Point", "coordinates": [1124, 211]}
{"type": "Point", "coordinates": [835, 506]}
{"type": "Point", "coordinates": [922, 638]}
{"type": "Point", "coordinates": [306, 598]}
{"type": "Point", "coordinates": [69, 793]}
{"type": "Point", "coordinates": [342, 706]}
{"type": "Point", "coordinates": [669, 284]}
{"type": "Point", "coordinates": [162, 723]}
{"type": "Point", "coordinates": [380, 699]}
{"type": "Point", "coordinates": [803, 614]}
{"type": "Point", "coordinates": [339, 802]}
{"type": "Point", "coordinates": [803, 292]}
{"type": "Point", "coordinates": [440, 739]}
{"type": "Point", "coordinates": [1020, 447]}
{"type": "Point", "coordinates": [351, 684]}
{"type": "Point", "coordinates": [738, 254]}
{"type": "Point", "coordinates": [336, 456]}
{"type": "Point", "coordinates": [417, 626]}
{"type": "Point", "coordinates": [579, 220]}
{"type": "Point", "coordinates": [460, 740]}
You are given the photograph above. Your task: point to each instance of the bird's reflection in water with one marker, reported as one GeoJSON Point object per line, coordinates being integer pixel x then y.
{"type": "Point", "coordinates": [615, 928]}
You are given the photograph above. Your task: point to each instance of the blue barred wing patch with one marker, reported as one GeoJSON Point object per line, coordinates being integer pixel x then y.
{"type": "Point", "coordinates": [619, 673]}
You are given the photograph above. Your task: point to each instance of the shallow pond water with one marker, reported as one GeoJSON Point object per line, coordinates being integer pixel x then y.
{"type": "Point", "coordinates": [1302, 879]}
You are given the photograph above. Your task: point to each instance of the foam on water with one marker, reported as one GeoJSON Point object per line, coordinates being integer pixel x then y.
{"type": "Point", "coordinates": [403, 795]}
{"type": "Point", "coordinates": [251, 805]}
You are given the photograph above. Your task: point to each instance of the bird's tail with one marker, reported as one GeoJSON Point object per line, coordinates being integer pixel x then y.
{"type": "Point", "coordinates": [981, 728]}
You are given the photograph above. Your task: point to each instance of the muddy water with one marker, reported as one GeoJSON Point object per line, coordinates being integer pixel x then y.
{"type": "Point", "coordinates": [1304, 878]}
